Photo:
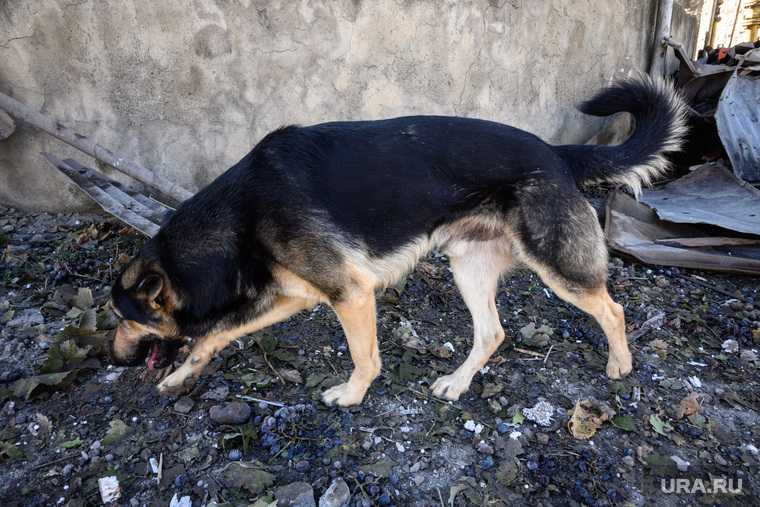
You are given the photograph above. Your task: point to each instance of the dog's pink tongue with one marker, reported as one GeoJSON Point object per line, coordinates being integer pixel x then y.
{"type": "Point", "coordinates": [153, 354]}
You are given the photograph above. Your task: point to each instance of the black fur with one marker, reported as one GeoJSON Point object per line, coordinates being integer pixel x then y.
{"type": "Point", "coordinates": [658, 113]}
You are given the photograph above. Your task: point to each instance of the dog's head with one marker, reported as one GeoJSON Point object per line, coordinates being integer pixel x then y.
{"type": "Point", "coordinates": [145, 302]}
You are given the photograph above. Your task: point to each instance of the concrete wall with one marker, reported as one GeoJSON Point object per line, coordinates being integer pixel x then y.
{"type": "Point", "coordinates": [188, 87]}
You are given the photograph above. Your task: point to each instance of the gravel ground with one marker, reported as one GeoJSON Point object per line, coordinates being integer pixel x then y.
{"type": "Point", "coordinates": [253, 432]}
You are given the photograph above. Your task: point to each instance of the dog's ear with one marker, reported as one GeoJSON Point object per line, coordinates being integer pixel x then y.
{"type": "Point", "coordinates": [150, 288]}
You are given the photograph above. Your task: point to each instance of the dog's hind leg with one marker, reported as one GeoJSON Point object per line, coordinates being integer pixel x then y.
{"type": "Point", "coordinates": [477, 267]}
{"type": "Point", "coordinates": [205, 347]}
{"type": "Point", "coordinates": [358, 318]}
{"type": "Point", "coordinates": [609, 314]}
{"type": "Point", "coordinates": [561, 240]}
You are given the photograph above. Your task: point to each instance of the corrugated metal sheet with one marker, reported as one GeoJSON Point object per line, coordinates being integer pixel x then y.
{"type": "Point", "coordinates": [738, 118]}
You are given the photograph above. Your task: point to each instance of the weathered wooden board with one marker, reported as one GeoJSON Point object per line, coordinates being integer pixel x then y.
{"type": "Point", "coordinates": [132, 208]}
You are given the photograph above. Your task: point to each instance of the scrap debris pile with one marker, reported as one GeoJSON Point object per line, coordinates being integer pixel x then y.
{"type": "Point", "coordinates": [710, 217]}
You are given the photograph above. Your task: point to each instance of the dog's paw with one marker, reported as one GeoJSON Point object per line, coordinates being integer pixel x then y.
{"type": "Point", "coordinates": [619, 367]}
{"type": "Point", "coordinates": [449, 387]}
{"type": "Point", "coordinates": [344, 395]}
{"type": "Point", "coordinates": [175, 384]}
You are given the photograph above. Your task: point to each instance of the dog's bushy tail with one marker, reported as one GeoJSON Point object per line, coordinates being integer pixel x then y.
{"type": "Point", "coordinates": [660, 115]}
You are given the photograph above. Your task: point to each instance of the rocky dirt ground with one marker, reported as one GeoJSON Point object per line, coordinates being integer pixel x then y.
{"type": "Point", "coordinates": [253, 431]}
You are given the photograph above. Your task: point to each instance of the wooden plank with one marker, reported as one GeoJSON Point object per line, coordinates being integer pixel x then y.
{"type": "Point", "coordinates": [709, 241]}
{"type": "Point", "coordinates": [156, 212]}
{"type": "Point", "coordinates": [83, 143]}
{"type": "Point", "coordinates": [84, 177]}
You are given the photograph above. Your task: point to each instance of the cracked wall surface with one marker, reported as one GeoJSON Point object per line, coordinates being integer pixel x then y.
{"type": "Point", "coordinates": [188, 87]}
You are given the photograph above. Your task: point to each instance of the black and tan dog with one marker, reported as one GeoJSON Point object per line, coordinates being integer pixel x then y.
{"type": "Point", "coordinates": [331, 212]}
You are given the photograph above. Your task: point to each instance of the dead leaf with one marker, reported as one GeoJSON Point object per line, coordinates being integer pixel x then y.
{"type": "Point", "coordinates": [63, 356]}
{"type": "Point", "coordinates": [441, 351]}
{"type": "Point", "coordinates": [588, 416]}
{"type": "Point", "coordinates": [415, 343]}
{"type": "Point", "coordinates": [659, 426]}
{"type": "Point", "coordinates": [688, 406]}
{"type": "Point", "coordinates": [660, 347]}
{"type": "Point", "coordinates": [44, 424]}
{"type": "Point", "coordinates": [291, 375]}
{"type": "Point", "coordinates": [23, 388]}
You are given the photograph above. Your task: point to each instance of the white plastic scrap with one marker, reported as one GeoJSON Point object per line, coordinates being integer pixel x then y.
{"type": "Point", "coordinates": [695, 382]}
{"type": "Point", "coordinates": [109, 489]}
{"type": "Point", "coordinates": [185, 501]}
{"type": "Point", "coordinates": [541, 413]}
{"type": "Point", "coordinates": [474, 427]}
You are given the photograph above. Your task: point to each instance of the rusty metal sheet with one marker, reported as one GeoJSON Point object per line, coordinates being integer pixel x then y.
{"type": "Point", "coordinates": [710, 194]}
{"type": "Point", "coordinates": [634, 229]}
{"type": "Point", "coordinates": [738, 118]}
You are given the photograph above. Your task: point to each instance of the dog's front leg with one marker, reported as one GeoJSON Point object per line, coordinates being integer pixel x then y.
{"type": "Point", "coordinates": [205, 348]}
{"type": "Point", "coordinates": [357, 316]}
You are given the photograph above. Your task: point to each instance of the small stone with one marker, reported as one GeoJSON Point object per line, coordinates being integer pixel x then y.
{"type": "Point", "coordinates": [180, 481]}
{"type": "Point", "coordinates": [502, 428]}
{"type": "Point", "coordinates": [234, 412]}
{"type": "Point", "coordinates": [721, 460]}
{"type": "Point", "coordinates": [216, 394]}
{"type": "Point", "coordinates": [67, 469]}
{"type": "Point", "coordinates": [484, 447]}
{"type": "Point", "coordinates": [235, 455]}
{"type": "Point", "coordinates": [629, 461]}
{"type": "Point", "coordinates": [661, 282]}
{"type": "Point", "coordinates": [736, 305]}
{"type": "Point", "coordinates": [295, 494]}
{"type": "Point", "coordinates": [337, 495]}
{"type": "Point", "coordinates": [536, 337]}
{"type": "Point", "coordinates": [749, 357]}
{"type": "Point", "coordinates": [27, 318]}
{"type": "Point", "coordinates": [681, 463]}
{"type": "Point", "coordinates": [303, 466]}
{"type": "Point", "coordinates": [251, 478]}
{"type": "Point", "coordinates": [184, 405]}
{"type": "Point", "coordinates": [487, 463]}
{"type": "Point", "coordinates": [542, 438]}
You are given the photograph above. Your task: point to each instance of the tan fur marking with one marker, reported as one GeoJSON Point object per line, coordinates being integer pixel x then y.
{"type": "Point", "coordinates": [127, 338]}
{"type": "Point", "coordinates": [477, 267]}
{"type": "Point", "coordinates": [358, 318]}
{"type": "Point", "coordinates": [132, 273]}
{"type": "Point", "coordinates": [292, 285]}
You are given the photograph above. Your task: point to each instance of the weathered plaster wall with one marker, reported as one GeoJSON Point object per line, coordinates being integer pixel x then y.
{"type": "Point", "coordinates": [188, 87]}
